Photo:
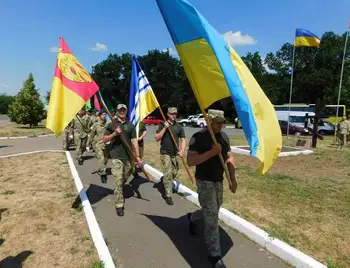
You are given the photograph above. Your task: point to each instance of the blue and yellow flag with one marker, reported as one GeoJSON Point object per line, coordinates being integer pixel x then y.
{"type": "Point", "coordinates": [142, 100]}
{"type": "Point", "coordinates": [216, 71]}
{"type": "Point", "coordinates": [305, 38]}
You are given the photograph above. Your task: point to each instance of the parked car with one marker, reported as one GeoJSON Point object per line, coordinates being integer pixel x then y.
{"type": "Point", "coordinates": [201, 122]}
{"type": "Point", "coordinates": [186, 121]}
{"type": "Point", "coordinates": [151, 120]}
{"type": "Point", "coordinates": [194, 120]}
{"type": "Point", "coordinates": [293, 129]}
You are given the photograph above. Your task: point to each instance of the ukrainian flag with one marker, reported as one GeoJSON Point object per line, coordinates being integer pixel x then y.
{"type": "Point", "coordinates": [305, 38]}
{"type": "Point", "coordinates": [216, 71]}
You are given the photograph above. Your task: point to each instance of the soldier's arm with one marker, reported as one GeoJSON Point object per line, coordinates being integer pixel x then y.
{"type": "Point", "coordinates": [161, 130]}
{"type": "Point", "coordinates": [111, 134]}
{"type": "Point", "coordinates": [182, 145]}
{"type": "Point", "coordinates": [136, 146]}
{"type": "Point", "coordinates": [232, 171]}
{"type": "Point", "coordinates": [194, 158]}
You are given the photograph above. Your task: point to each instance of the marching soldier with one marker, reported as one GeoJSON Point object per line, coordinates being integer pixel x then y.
{"type": "Point", "coordinates": [168, 151]}
{"type": "Point", "coordinates": [342, 131]}
{"type": "Point", "coordinates": [81, 131]}
{"type": "Point", "coordinates": [203, 154]}
{"type": "Point", "coordinates": [96, 135]}
{"type": "Point", "coordinates": [94, 117]}
{"type": "Point", "coordinates": [122, 166]}
{"type": "Point", "coordinates": [68, 135]}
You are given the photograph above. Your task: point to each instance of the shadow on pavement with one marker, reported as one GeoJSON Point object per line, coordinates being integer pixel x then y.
{"type": "Point", "coordinates": [135, 185]}
{"type": "Point", "coordinates": [17, 261]}
{"type": "Point", "coordinates": [192, 248]}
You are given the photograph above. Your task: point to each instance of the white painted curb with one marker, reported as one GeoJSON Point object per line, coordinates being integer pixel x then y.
{"type": "Point", "coordinates": [95, 230]}
{"type": "Point", "coordinates": [26, 137]}
{"type": "Point", "coordinates": [275, 246]}
{"type": "Point", "coordinates": [238, 150]}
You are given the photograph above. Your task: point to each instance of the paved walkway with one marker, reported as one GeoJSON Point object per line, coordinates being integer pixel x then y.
{"type": "Point", "coordinates": [151, 234]}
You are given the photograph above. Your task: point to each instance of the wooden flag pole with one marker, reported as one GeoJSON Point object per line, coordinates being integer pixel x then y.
{"type": "Point", "coordinates": [124, 140]}
{"type": "Point", "coordinates": [177, 147]}
{"type": "Point", "coordinates": [215, 142]}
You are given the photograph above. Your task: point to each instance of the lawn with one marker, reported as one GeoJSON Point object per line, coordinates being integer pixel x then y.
{"type": "Point", "coordinates": [303, 200]}
{"type": "Point", "coordinates": [15, 130]}
{"type": "Point", "coordinates": [38, 226]}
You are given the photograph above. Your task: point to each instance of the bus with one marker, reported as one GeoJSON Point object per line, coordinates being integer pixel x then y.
{"type": "Point", "coordinates": [329, 113]}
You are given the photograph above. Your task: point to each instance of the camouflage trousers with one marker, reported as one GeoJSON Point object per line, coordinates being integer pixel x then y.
{"type": "Point", "coordinates": [67, 141]}
{"type": "Point", "coordinates": [102, 158]}
{"type": "Point", "coordinates": [80, 145]}
{"type": "Point", "coordinates": [342, 137]}
{"type": "Point", "coordinates": [121, 171]}
{"type": "Point", "coordinates": [170, 168]}
{"type": "Point", "coordinates": [210, 196]}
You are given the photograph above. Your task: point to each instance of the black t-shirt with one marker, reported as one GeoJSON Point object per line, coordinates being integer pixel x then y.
{"type": "Point", "coordinates": [167, 145]}
{"type": "Point", "coordinates": [210, 170]}
{"type": "Point", "coordinates": [117, 149]}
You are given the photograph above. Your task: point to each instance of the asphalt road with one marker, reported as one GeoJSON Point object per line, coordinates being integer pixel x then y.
{"type": "Point", "coordinates": [151, 234]}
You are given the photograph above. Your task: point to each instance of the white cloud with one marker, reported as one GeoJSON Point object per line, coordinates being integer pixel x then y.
{"type": "Point", "coordinates": [5, 86]}
{"type": "Point", "coordinates": [237, 39]}
{"type": "Point", "coordinates": [99, 47]}
{"type": "Point", "coordinates": [53, 49]}
{"type": "Point", "coordinates": [267, 67]}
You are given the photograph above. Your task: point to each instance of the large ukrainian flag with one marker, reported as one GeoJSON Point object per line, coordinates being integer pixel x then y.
{"type": "Point", "coordinates": [305, 38]}
{"type": "Point", "coordinates": [216, 71]}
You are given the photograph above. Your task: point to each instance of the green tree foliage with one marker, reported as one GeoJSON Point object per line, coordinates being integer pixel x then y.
{"type": "Point", "coordinates": [5, 101]}
{"type": "Point", "coordinates": [27, 108]}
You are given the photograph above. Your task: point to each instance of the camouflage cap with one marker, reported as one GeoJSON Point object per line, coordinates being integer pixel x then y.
{"type": "Point", "coordinates": [172, 110]}
{"type": "Point", "coordinates": [120, 106]}
{"type": "Point", "coordinates": [217, 116]}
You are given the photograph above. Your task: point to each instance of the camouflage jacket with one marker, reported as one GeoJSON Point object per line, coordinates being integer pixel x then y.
{"type": "Point", "coordinates": [81, 126]}
{"type": "Point", "coordinates": [97, 132]}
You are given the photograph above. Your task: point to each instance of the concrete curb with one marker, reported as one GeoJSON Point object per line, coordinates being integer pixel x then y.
{"type": "Point", "coordinates": [97, 237]}
{"type": "Point", "coordinates": [96, 234]}
{"type": "Point", "coordinates": [275, 246]}
{"type": "Point", "coordinates": [26, 137]}
{"type": "Point", "coordinates": [238, 150]}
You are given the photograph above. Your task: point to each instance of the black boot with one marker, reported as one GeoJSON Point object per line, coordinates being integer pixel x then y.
{"type": "Point", "coordinates": [103, 178]}
{"type": "Point", "coordinates": [216, 262]}
{"type": "Point", "coordinates": [169, 201]}
{"type": "Point", "coordinates": [120, 212]}
{"type": "Point", "coordinates": [191, 225]}
{"type": "Point", "coordinates": [80, 161]}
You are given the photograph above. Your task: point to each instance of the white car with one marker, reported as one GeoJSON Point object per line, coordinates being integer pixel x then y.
{"type": "Point", "coordinates": [186, 121]}
{"type": "Point", "coordinates": [201, 122]}
{"type": "Point", "coordinates": [195, 119]}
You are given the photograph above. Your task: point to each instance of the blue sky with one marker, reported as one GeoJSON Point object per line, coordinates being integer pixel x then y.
{"type": "Point", "coordinates": [29, 28]}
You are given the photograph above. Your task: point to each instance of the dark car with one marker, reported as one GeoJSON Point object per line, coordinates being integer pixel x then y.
{"type": "Point", "coordinates": [293, 129]}
{"type": "Point", "coordinates": [151, 120]}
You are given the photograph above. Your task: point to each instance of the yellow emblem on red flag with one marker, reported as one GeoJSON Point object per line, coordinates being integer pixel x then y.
{"type": "Point", "coordinates": [72, 87]}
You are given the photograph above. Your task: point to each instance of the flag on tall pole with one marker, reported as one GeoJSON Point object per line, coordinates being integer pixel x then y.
{"type": "Point", "coordinates": [72, 87]}
{"type": "Point", "coordinates": [142, 100]}
{"type": "Point", "coordinates": [215, 71]}
{"type": "Point", "coordinates": [303, 38]}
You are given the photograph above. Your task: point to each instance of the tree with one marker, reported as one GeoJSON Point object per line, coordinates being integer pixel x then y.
{"type": "Point", "coordinates": [5, 101]}
{"type": "Point", "coordinates": [164, 72]}
{"type": "Point", "coordinates": [27, 108]}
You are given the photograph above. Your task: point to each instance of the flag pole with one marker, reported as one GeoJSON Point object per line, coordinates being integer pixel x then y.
{"type": "Point", "coordinates": [290, 90]}
{"type": "Point", "coordinates": [123, 138]}
{"type": "Point", "coordinates": [177, 147]}
{"type": "Point", "coordinates": [340, 82]}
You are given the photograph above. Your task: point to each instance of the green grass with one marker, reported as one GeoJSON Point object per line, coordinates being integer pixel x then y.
{"type": "Point", "coordinates": [15, 130]}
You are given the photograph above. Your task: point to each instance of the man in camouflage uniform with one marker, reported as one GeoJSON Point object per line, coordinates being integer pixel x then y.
{"type": "Point", "coordinates": [68, 135]}
{"type": "Point", "coordinates": [203, 154]}
{"type": "Point", "coordinates": [348, 124]}
{"type": "Point", "coordinates": [122, 166]}
{"type": "Point", "coordinates": [81, 131]}
{"type": "Point", "coordinates": [94, 117]}
{"type": "Point", "coordinates": [97, 132]}
{"type": "Point", "coordinates": [168, 151]}
{"type": "Point", "coordinates": [342, 132]}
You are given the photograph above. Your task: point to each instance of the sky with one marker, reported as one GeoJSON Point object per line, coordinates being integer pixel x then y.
{"type": "Point", "coordinates": [30, 30]}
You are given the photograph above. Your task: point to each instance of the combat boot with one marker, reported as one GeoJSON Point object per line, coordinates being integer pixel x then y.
{"type": "Point", "coordinates": [80, 161]}
{"type": "Point", "coordinates": [120, 212]}
{"type": "Point", "coordinates": [103, 178]}
{"type": "Point", "coordinates": [169, 201]}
